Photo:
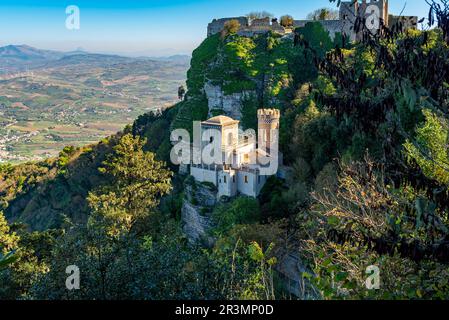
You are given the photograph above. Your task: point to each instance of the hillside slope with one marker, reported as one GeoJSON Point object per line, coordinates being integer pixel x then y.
{"type": "Point", "coordinates": [365, 129]}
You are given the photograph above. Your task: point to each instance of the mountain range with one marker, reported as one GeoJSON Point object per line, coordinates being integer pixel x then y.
{"type": "Point", "coordinates": [19, 58]}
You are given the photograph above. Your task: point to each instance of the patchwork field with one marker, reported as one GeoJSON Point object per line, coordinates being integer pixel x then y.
{"type": "Point", "coordinates": [79, 101]}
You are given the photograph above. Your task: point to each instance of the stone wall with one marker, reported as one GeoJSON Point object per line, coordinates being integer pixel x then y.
{"type": "Point", "coordinates": [217, 25]}
{"type": "Point", "coordinates": [332, 26]}
{"type": "Point", "coordinates": [204, 175]}
{"type": "Point", "coordinates": [290, 269]}
{"type": "Point", "coordinates": [403, 22]}
{"type": "Point", "coordinates": [248, 28]}
{"type": "Point", "coordinates": [247, 183]}
{"type": "Point", "coordinates": [349, 11]}
{"type": "Point", "coordinates": [227, 183]}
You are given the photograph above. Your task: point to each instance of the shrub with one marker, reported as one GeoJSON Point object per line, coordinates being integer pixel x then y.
{"type": "Point", "coordinates": [230, 27]}
{"type": "Point", "coordinates": [243, 210]}
{"type": "Point", "coordinates": [287, 21]}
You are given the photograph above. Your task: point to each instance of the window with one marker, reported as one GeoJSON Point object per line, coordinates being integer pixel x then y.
{"type": "Point", "coordinates": [230, 138]}
{"type": "Point", "coordinates": [246, 157]}
{"type": "Point", "coordinates": [246, 179]}
{"type": "Point", "coordinates": [258, 179]}
{"type": "Point", "coordinates": [224, 179]}
{"type": "Point", "coordinates": [233, 179]}
{"type": "Point", "coordinates": [211, 139]}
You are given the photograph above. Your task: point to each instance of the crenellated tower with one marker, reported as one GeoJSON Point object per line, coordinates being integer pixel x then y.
{"type": "Point", "coordinates": [365, 8]}
{"type": "Point", "coordinates": [268, 127]}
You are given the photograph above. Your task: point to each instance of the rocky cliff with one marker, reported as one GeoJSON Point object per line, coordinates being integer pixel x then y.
{"type": "Point", "coordinates": [230, 105]}
{"type": "Point", "coordinates": [197, 207]}
{"type": "Point", "coordinates": [236, 75]}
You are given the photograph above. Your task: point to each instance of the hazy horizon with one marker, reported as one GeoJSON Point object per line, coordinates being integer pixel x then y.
{"type": "Point", "coordinates": [153, 28]}
{"type": "Point", "coordinates": [124, 53]}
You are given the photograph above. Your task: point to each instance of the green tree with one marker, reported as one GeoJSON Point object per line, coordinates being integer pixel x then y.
{"type": "Point", "coordinates": [243, 210]}
{"type": "Point", "coordinates": [137, 182]}
{"type": "Point", "coordinates": [287, 21]}
{"type": "Point", "coordinates": [20, 266]}
{"type": "Point", "coordinates": [231, 27]}
{"type": "Point", "coordinates": [259, 15]}
{"type": "Point", "coordinates": [430, 149]}
{"type": "Point", "coordinates": [323, 14]}
{"type": "Point", "coordinates": [317, 37]}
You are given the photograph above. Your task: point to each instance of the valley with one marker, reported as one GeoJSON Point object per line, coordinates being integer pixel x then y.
{"type": "Point", "coordinates": [77, 99]}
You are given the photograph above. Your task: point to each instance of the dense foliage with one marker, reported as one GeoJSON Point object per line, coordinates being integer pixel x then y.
{"type": "Point", "coordinates": [364, 134]}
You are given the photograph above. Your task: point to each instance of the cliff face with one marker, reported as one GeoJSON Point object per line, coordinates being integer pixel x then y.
{"type": "Point", "coordinates": [230, 105]}
{"type": "Point", "coordinates": [236, 75]}
{"type": "Point", "coordinates": [196, 212]}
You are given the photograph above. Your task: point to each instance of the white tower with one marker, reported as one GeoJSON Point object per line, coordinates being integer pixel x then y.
{"type": "Point", "coordinates": [268, 128]}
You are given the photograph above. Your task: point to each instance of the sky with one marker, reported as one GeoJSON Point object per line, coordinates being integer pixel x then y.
{"type": "Point", "coordinates": [142, 27]}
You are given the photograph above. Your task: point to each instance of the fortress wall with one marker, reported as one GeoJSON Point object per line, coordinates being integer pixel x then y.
{"type": "Point", "coordinates": [228, 188]}
{"type": "Point", "coordinates": [217, 25]}
{"type": "Point", "coordinates": [407, 22]}
{"type": "Point", "coordinates": [348, 13]}
{"type": "Point", "coordinates": [249, 188]}
{"type": "Point", "coordinates": [203, 175]}
{"type": "Point", "coordinates": [332, 26]}
{"type": "Point", "coordinates": [301, 23]}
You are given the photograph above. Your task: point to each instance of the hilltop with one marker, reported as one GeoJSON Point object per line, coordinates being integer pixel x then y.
{"type": "Point", "coordinates": [364, 131]}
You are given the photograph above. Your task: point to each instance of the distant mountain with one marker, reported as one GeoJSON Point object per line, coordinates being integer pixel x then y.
{"type": "Point", "coordinates": [179, 58]}
{"type": "Point", "coordinates": [19, 58]}
{"type": "Point", "coordinates": [91, 59]}
{"type": "Point", "coordinates": [27, 53]}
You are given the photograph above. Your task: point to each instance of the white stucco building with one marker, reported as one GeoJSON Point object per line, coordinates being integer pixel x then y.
{"type": "Point", "coordinates": [237, 169]}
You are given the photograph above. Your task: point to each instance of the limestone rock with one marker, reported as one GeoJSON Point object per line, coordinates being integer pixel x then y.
{"type": "Point", "coordinates": [196, 213]}
{"type": "Point", "coordinates": [230, 104]}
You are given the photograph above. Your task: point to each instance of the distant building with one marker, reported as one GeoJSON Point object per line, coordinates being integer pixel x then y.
{"type": "Point", "coordinates": [349, 12]}
{"type": "Point", "coordinates": [239, 173]}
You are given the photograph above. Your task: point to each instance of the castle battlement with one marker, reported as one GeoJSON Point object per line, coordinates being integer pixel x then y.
{"type": "Point", "coordinates": [270, 113]}
{"type": "Point", "coordinates": [349, 11]}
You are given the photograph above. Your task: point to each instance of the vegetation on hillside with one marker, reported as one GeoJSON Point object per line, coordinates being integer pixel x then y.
{"type": "Point", "coordinates": [364, 129]}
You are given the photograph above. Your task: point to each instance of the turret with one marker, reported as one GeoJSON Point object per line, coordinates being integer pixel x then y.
{"type": "Point", "coordinates": [268, 127]}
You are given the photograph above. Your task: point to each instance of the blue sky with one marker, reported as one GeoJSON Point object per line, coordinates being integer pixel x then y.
{"type": "Point", "coordinates": [141, 27]}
